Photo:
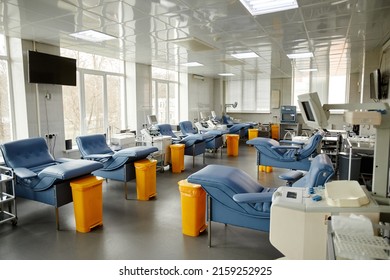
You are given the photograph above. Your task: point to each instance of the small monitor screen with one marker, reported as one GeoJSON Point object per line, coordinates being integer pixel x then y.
{"type": "Point", "coordinates": [152, 119]}
{"type": "Point", "coordinates": [308, 112]}
{"type": "Point", "coordinates": [288, 117]}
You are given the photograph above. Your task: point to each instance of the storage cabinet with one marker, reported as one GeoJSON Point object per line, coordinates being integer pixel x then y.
{"type": "Point", "coordinates": [7, 196]}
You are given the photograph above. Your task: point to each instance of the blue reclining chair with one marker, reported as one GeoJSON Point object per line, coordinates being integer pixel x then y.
{"type": "Point", "coordinates": [39, 176]}
{"type": "Point", "coordinates": [234, 198]}
{"type": "Point", "coordinates": [321, 171]}
{"type": "Point", "coordinates": [118, 166]}
{"type": "Point", "coordinates": [194, 144]}
{"type": "Point", "coordinates": [291, 155]}
{"type": "Point", "coordinates": [237, 128]}
{"type": "Point", "coordinates": [213, 138]}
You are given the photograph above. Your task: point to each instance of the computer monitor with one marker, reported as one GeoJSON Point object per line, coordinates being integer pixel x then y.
{"type": "Point", "coordinates": [375, 84]}
{"type": "Point", "coordinates": [152, 119]}
{"type": "Point", "coordinates": [311, 110]}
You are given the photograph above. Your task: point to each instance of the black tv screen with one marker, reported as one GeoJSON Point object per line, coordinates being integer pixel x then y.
{"type": "Point", "coordinates": [45, 68]}
{"type": "Point", "coordinates": [375, 84]}
{"type": "Point", "coordinates": [308, 112]}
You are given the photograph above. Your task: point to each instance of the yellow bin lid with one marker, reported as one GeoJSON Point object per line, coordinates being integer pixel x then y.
{"type": "Point", "coordinates": [145, 162]}
{"type": "Point", "coordinates": [86, 182]}
{"type": "Point", "coordinates": [177, 146]}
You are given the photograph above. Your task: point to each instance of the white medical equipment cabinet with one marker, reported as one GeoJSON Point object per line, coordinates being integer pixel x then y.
{"type": "Point", "coordinates": [298, 226]}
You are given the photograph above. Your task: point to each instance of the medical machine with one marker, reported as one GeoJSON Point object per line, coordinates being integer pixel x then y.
{"type": "Point", "coordinates": [152, 137]}
{"type": "Point", "coordinates": [123, 140]}
{"type": "Point", "coordinates": [288, 114]}
{"type": "Point", "coordinates": [152, 119]}
{"type": "Point", "coordinates": [299, 216]}
{"type": "Point", "coordinates": [377, 114]}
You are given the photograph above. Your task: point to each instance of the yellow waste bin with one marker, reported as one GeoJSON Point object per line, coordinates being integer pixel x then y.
{"type": "Point", "coordinates": [275, 131]}
{"type": "Point", "coordinates": [253, 133]}
{"type": "Point", "coordinates": [232, 141]}
{"type": "Point", "coordinates": [193, 208]}
{"type": "Point", "coordinates": [177, 157]}
{"type": "Point", "coordinates": [145, 176]}
{"type": "Point", "coordinates": [87, 202]}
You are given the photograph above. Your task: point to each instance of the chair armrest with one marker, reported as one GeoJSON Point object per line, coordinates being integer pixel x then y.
{"type": "Point", "coordinates": [292, 175]}
{"type": "Point", "coordinates": [98, 156]}
{"type": "Point", "coordinates": [24, 173]}
{"type": "Point", "coordinates": [253, 197]}
{"type": "Point", "coordinates": [292, 142]}
{"type": "Point", "coordinates": [285, 148]}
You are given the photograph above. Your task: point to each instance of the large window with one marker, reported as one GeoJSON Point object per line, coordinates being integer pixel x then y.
{"type": "Point", "coordinates": [251, 95]}
{"type": "Point", "coordinates": [96, 105]}
{"type": "Point", "coordinates": [331, 85]}
{"type": "Point", "coordinates": [165, 97]}
{"type": "Point", "coordinates": [5, 108]}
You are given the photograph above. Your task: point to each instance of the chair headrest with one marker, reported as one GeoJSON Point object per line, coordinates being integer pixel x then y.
{"type": "Point", "coordinates": [26, 153]}
{"type": "Point", "coordinates": [166, 129]}
{"type": "Point", "coordinates": [187, 128]}
{"type": "Point", "coordinates": [93, 144]}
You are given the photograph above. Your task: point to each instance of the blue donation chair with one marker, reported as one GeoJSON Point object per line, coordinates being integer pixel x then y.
{"type": "Point", "coordinates": [234, 198]}
{"type": "Point", "coordinates": [286, 153]}
{"type": "Point", "coordinates": [117, 165]}
{"type": "Point", "coordinates": [237, 128]}
{"type": "Point", "coordinates": [39, 176]}
{"type": "Point", "coordinates": [194, 144]}
{"type": "Point", "coordinates": [213, 138]}
{"type": "Point", "coordinates": [321, 171]}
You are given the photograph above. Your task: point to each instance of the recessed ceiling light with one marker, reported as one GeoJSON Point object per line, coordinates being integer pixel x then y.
{"type": "Point", "coordinates": [258, 7]}
{"type": "Point", "coordinates": [300, 55]}
{"type": "Point", "coordinates": [245, 55]}
{"type": "Point", "coordinates": [192, 64]}
{"type": "Point", "coordinates": [92, 36]}
{"type": "Point", "coordinates": [226, 74]}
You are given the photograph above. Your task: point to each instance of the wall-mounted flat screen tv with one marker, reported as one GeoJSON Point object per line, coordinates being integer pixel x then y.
{"type": "Point", "coordinates": [376, 84]}
{"type": "Point", "coordinates": [46, 68]}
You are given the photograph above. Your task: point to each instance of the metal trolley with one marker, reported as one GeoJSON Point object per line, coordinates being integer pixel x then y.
{"type": "Point", "coordinates": [7, 196]}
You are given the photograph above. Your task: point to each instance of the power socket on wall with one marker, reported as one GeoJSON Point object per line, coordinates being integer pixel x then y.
{"type": "Point", "coordinates": [50, 135]}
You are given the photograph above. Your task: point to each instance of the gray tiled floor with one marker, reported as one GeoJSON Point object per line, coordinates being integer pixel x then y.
{"type": "Point", "coordinates": [134, 229]}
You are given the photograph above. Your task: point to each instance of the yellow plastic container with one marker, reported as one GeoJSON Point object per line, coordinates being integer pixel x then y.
{"type": "Point", "coordinates": [177, 157]}
{"type": "Point", "coordinates": [262, 168]}
{"type": "Point", "coordinates": [193, 208]}
{"type": "Point", "coordinates": [87, 202]}
{"type": "Point", "coordinates": [232, 141]}
{"type": "Point", "coordinates": [145, 176]}
{"type": "Point", "coordinates": [268, 169]}
{"type": "Point", "coordinates": [253, 133]}
{"type": "Point", "coordinates": [275, 131]}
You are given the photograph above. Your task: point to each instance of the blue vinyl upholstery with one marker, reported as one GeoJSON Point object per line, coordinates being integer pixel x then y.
{"type": "Point", "coordinates": [39, 176]}
{"type": "Point", "coordinates": [292, 155]}
{"type": "Point", "coordinates": [213, 138]}
{"type": "Point", "coordinates": [118, 165]}
{"type": "Point", "coordinates": [321, 171]}
{"type": "Point", "coordinates": [194, 144]}
{"type": "Point", "coordinates": [234, 197]}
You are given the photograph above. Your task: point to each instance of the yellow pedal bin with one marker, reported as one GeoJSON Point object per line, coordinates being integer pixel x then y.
{"type": "Point", "coordinates": [232, 142]}
{"type": "Point", "coordinates": [87, 202]}
{"type": "Point", "coordinates": [177, 157]}
{"type": "Point", "coordinates": [145, 176]}
{"type": "Point", "coordinates": [193, 208]}
{"type": "Point", "coordinates": [253, 133]}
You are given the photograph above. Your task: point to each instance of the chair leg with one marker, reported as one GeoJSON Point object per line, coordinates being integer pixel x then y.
{"type": "Point", "coordinates": [209, 220]}
{"type": "Point", "coordinates": [57, 218]}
